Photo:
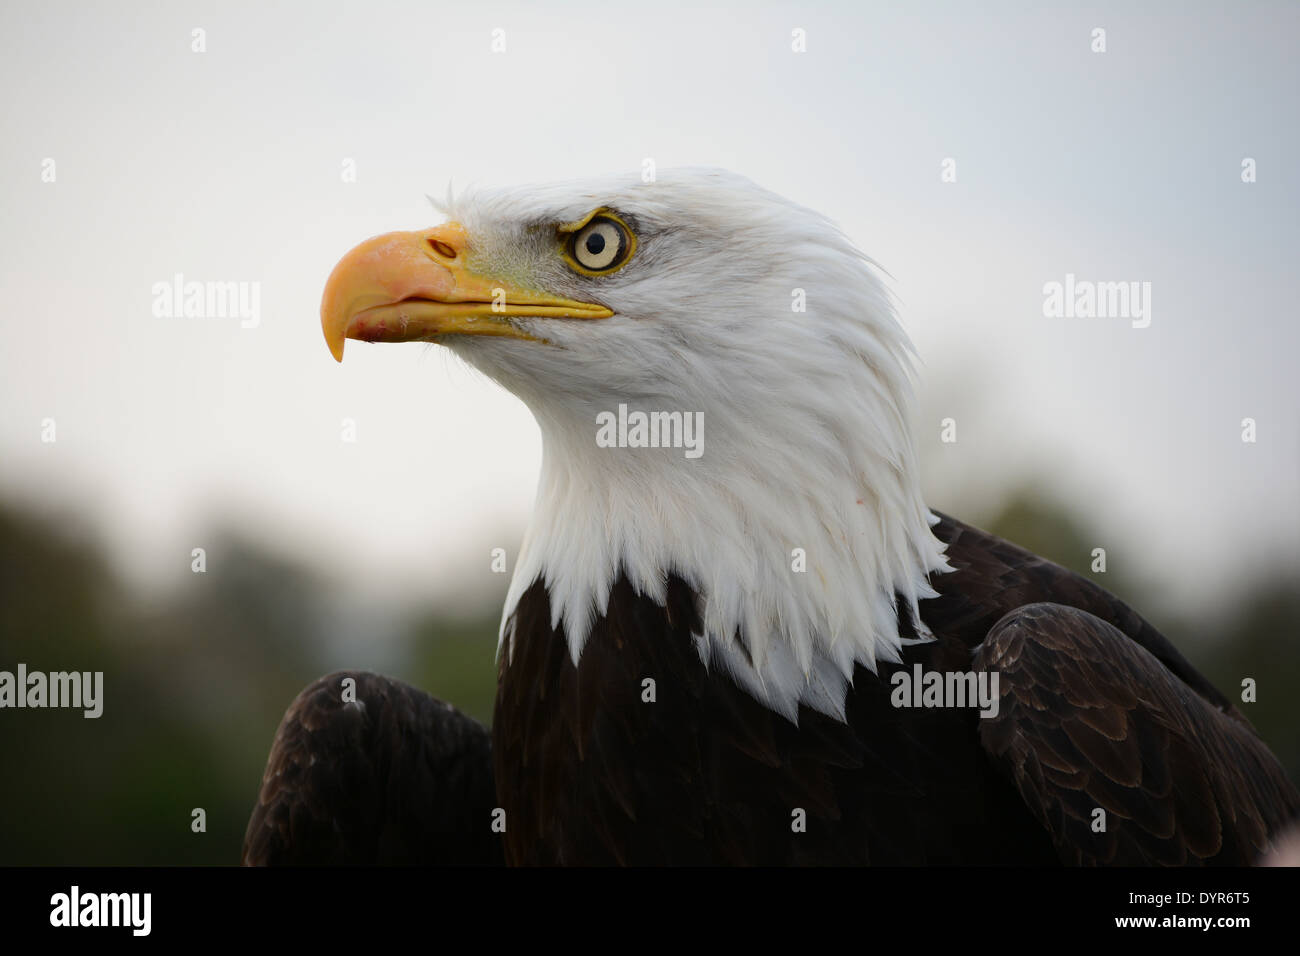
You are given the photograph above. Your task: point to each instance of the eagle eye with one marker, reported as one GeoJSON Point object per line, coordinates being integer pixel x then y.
{"type": "Point", "coordinates": [599, 244]}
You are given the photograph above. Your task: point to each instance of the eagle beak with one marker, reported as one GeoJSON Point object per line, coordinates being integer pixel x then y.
{"type": "Point", "coordinates": [416, 286]}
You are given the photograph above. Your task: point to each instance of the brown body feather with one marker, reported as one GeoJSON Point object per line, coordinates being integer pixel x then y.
{"type": "Point", "coordinates": [396, 777]}
{"type": "Point", "coordinates": [1098, 711]}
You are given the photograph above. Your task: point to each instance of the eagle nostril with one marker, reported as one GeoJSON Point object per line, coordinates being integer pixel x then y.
{"type": "Point", "coordinates": [442, 249]}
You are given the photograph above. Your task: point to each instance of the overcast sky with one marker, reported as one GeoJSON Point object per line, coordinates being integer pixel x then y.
{"type": "Point", "coordinates": [226, 165]}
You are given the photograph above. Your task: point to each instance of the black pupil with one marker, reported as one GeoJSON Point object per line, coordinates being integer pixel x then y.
{"type": "Point", "coordinates": [595, 243]}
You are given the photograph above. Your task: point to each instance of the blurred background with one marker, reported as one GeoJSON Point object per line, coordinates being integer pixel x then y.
{"type": "Point", "coordinates": [348, 514]}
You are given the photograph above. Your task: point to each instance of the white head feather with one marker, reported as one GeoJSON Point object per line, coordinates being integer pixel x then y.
{"type": "Point", "coordinates": [806, 433]}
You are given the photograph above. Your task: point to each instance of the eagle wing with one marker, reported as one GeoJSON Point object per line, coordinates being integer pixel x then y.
{"type": "Point", "coordinates": [374, 773]}
{"type": "Point", "coordinates": [1119, 759]}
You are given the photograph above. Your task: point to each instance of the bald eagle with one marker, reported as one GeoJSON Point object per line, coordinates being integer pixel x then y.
{"type": "Point", "coordinates": [736, 634]}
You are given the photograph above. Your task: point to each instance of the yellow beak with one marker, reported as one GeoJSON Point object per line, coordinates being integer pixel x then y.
{"type": "Point", "coordinates": [415, 286]}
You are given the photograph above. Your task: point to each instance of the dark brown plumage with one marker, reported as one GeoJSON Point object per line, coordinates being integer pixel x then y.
{"type": "Point", "coordinates": [397, 777]}
{"type": "Point", "coordinates": [1099, 710]}
{"type": "Point", "coordinates": [1093, 721]}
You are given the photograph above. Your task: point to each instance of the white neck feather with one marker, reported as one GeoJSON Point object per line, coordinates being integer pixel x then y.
{"type": "Point", "coordinates": [822, 464]}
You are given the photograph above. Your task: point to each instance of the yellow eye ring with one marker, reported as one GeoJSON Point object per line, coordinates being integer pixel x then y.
{"type": "Point", "coordinates": [598, 244]}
